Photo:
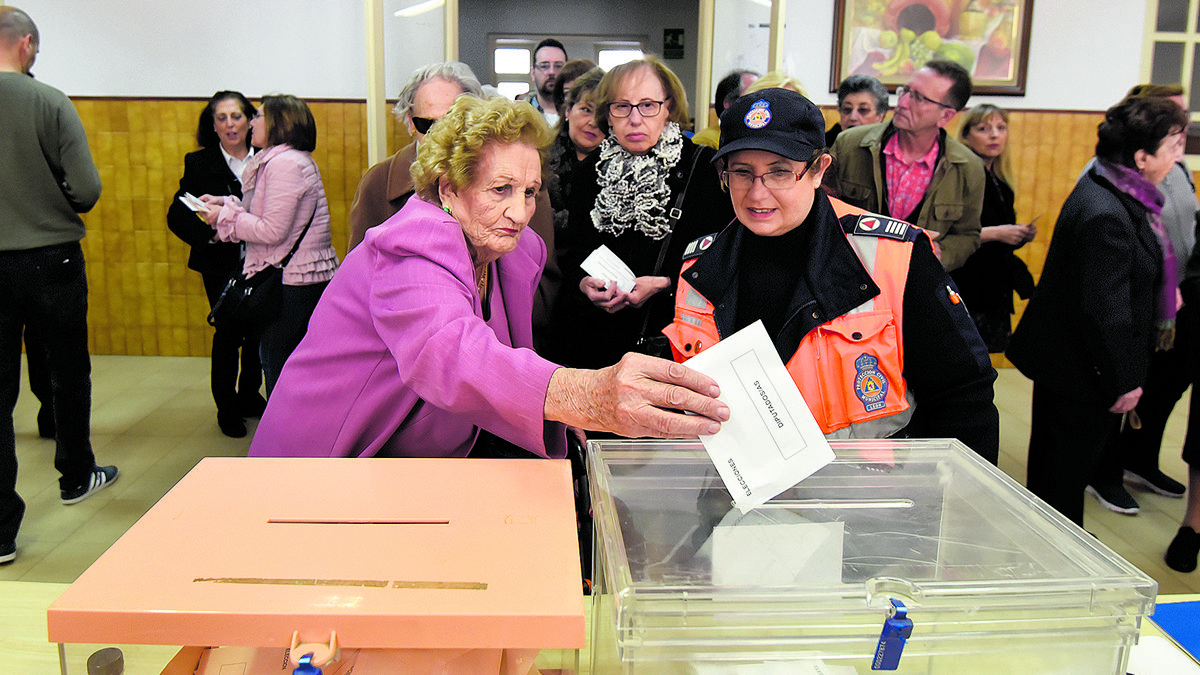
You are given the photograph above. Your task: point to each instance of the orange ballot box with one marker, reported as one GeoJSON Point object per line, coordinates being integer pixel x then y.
{"type": "Point", "coordinates": [388, 554]}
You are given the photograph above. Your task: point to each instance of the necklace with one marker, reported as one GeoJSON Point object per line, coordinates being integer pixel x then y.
{"type": "Point", "coordinates": [482, 285]}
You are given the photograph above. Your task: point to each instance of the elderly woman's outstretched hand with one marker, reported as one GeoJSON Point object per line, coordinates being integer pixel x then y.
{"type": "Point", "coordinates": [639, 396]}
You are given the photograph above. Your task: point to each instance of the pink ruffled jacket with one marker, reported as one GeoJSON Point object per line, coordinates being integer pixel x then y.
{"type": "Point", "coordinates": [281, 190]}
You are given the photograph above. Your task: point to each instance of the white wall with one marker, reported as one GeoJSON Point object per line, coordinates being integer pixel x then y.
{"type": "Point", "coordinates": [1084, 54]}
{"type": "Point", "coordinates": [142, 48]}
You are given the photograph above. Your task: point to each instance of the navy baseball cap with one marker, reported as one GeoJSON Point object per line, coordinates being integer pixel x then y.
{"type": "Point", "coordinates": [776, 120]}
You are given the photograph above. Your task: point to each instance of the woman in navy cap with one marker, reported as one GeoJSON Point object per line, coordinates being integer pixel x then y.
{"type": "Point", "coordinates": [865, 317]}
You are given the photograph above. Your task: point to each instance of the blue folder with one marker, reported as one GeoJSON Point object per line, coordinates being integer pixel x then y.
{"type": "Point", "coordinates": [1181, 620]}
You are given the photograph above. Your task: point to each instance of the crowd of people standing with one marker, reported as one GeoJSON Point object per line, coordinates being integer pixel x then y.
{"type": "Point", "coordinates": [765, 216]}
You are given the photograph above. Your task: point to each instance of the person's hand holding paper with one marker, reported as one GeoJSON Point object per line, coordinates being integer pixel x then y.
{"type": "Point", "coordinates": [771, 441]}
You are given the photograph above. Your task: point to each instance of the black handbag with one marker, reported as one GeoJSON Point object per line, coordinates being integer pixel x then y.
{"type": "Point", "coordinates": [248, 304]}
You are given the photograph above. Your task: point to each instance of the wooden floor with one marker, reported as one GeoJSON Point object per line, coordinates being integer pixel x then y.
{"type": "Point", "coordinates": [154, 418]}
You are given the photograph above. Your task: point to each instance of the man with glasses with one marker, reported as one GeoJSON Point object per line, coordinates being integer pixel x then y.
{"type": "Point", "coordinates": [911, 169]}
{"type": "Point", "coordinates": [386, 187]}
{"type": "Point", "coordinates": [549, 57]}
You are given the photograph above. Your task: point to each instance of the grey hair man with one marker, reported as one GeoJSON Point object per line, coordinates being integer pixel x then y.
{"type": "Point", "coordinates": [49, 178]}
{"type": "Point", "coordinates": [425, 98]}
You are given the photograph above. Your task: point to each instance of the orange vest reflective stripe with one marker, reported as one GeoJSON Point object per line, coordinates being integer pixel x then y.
{"type": "Point", "coordinates": [849, 369]}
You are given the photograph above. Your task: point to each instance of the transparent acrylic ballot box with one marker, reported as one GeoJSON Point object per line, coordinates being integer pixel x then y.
{"type": "Point", "coordinates": [992, 579]}
{"type": "Point", "coordinates": [406, 560]}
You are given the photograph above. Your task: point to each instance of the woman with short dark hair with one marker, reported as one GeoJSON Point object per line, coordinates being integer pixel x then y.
{"type": "Point", "coordinates": [223, 134]}
{"type": "Point", "coordinates": [284, 204]}
{"type": "Point", "coordinates": [1106, 300]}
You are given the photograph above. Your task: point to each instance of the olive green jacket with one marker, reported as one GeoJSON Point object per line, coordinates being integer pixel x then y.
{"type": "Point", "coordinates": [953, 201]}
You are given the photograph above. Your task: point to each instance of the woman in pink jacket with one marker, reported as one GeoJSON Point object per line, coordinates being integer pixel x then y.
{"type": "Point", "coordinates": [283, 202]}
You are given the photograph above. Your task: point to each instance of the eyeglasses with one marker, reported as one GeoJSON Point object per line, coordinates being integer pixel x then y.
{"type": "Point", "coordinates": [779, 179]}
{"type": "Point", "coordinates": [548, 65]}
{"type": "Point", "coordinates": [422, 124]}
{"type": "Point", "coordinates": [644, 108]}
{"type": "Point", "coordinates": [918, 97]}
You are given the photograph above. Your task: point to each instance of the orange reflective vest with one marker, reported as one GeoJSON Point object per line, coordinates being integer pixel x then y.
{"type": "Point", "coordinates": [849, 369]}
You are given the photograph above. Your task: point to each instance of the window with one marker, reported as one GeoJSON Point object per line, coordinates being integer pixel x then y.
{"type": "Point", "coordinates": [1172, 35]}
{"type": "Point", "coordinates": [512, 55]}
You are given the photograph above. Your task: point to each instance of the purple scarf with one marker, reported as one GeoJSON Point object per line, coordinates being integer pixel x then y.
{"type": "Point", "coordinates": [1147, 194]}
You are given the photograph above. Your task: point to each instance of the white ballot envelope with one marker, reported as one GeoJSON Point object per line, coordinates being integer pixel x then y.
{"type": "Point", "coordinates": [193, 202]}
{"type": "Point", "coordinates": [604, 264]}
{"type": "Point", "coordinates": [771, 441]}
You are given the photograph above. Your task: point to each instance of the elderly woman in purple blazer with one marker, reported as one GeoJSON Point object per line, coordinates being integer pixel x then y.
{"type": "Point", "coordinates": [423, 338]}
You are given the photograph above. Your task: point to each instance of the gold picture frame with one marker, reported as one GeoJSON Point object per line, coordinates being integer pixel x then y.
{"type": "Point", "coordinates": [888, 39]}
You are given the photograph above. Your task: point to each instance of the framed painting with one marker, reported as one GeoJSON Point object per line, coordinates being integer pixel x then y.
{"type": "Point", "coordinates": [889, 39]}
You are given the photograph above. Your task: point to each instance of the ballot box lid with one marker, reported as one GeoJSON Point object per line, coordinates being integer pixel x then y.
{"type": "Point", "coordinates": [387, 553]}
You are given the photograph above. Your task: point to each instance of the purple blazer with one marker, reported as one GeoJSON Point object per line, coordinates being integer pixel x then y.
{"type": "Point", "coordinates": [398, 360]}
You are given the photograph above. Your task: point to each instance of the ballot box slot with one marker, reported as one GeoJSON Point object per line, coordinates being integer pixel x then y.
{"type": "Point", "coordinates": [344, 521]}
{"type": "Point", "coordinates": [356, 583]}
{"type": "Point", "coordinates": [792, 504]}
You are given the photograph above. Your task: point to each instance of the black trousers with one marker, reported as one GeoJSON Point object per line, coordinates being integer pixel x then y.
{"type": "Point", "coordinates": [235, 365]}
{"type": "Point", "coordinates": [46, 289]}
{"type": "Point", "coordinates": [1070, 427]}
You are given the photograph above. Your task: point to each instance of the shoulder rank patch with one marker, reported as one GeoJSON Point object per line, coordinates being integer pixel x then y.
{"type": "Point", "coordinates": [874, 225]}
{"type": "Point", "coordinates": [695, 248]}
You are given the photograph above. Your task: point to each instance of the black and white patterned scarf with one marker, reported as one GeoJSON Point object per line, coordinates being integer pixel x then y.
{"type": "Point", "coordinates": [633, 188]}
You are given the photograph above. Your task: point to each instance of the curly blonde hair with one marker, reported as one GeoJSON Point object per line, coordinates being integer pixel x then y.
{"type": "Point", "coordinates": [452, 147]}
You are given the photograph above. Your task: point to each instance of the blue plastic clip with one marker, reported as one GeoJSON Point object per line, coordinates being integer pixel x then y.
{"type": "Point", "coordinates": [896, 630]}
{"type": "Point", "coordinates": [306, 667]}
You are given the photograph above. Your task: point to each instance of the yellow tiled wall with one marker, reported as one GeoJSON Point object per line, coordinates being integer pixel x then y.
{"type": "Point", "coordinates": [144, 300]}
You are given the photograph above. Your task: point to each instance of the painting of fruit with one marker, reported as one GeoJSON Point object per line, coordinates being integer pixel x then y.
{"type": "Point", "coordinates": [890, 39]}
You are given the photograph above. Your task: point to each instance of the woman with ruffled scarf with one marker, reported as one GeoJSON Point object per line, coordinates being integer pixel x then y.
{"type": "Point", "coordinates": [1106, 300]}
{"type": "Point", "coordinates": [623, 197]}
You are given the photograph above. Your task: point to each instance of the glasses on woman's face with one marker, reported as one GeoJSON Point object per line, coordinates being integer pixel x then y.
{"type": "Point", "coordinates": [918, 97]}
{"type": "Point", "coordinates": [422, 124]}
{"type": "Point", "coordinates": [778, 179]}
{"type": "Point", "coordinates": [645, 108]}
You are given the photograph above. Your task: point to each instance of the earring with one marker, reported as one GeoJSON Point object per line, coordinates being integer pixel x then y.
{"type": "Point", "coordinates": [447, 210]}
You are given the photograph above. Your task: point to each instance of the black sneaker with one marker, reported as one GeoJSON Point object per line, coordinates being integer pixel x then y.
{"type": "Point", "coordinates": [102, 477]}
{"type": "Point", "coordinates": [1155, 481]}
{"type": "Point", "coordinates": [1114, 498]}
{"type": "Point", "coordinates": [1181, 554]}
{"type": "Point", "coordinates": [8, 552]}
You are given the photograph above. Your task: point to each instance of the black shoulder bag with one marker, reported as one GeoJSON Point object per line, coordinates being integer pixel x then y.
{"type": "Point", "coordinates": [249, 303]}
{"type": "Point", "coordinates": [657, 344]}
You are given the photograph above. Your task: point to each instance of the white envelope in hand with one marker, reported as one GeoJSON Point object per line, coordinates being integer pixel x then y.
{"type": "Point", "coordinates": [771, 441]}
{"type": "Point", "coordinates": [604, 264]}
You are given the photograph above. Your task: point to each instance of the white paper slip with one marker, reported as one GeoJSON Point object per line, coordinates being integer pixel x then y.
{"type": "Point", "coordinates": [771, 441]}
{"type": "Point", "coordinates": [604, 264]}
{"type": "Point", "coordinates": [193, 202]}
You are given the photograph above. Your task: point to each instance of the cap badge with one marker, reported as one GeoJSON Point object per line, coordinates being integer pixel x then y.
{"type": "Point", "coordinates": [759, 115]}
